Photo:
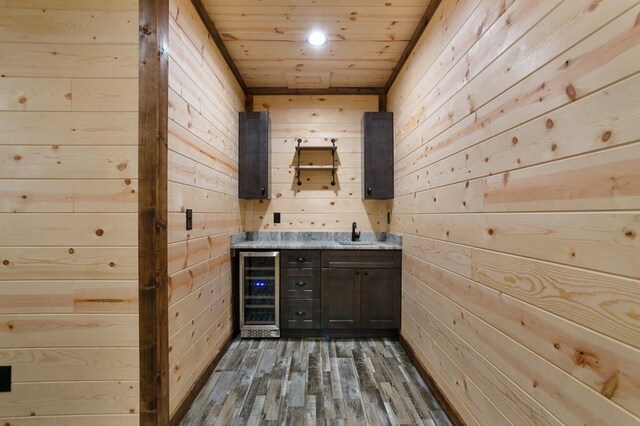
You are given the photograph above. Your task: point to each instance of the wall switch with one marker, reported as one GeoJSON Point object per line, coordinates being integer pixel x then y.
{"type": "Point", "coordinates": [276, 218]}
{"type": "Point", "coordinates": [5, 378]}
{"type": "Point", "coordinates": [189, 219]}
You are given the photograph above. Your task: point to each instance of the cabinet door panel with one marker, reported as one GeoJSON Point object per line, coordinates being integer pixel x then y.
{"type": "Point", "coordinates": [253, 155]}
{"type": "Point", "coordinates": [381, 293]}
{"type": "Point", "coordinates": [377, 149]}
{"type": "Point", "coordinates": [340, 297]}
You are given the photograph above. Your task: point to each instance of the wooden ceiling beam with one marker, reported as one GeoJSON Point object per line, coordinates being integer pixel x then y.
{"type": "Point", "coordinates": [267, 91]}
{"type": "Point", "coordinates": [206, 19]}
{"type": "Point", "coordinates": [428, 14]}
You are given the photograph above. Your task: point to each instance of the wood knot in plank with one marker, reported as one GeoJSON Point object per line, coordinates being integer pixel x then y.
{"type": "Point", "coordinates": [571, 92]}
{"type": "Point", "coordinates": [585, 359]}
{"type": "Point", "coordinates": [145, 30]}
{"type": "Point", "coordinates": [606, 136]}
{"type": "Point", "coordinates": [610, 386]}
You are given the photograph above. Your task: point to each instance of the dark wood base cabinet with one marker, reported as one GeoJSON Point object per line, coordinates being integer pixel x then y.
{"type": "Point", "coordinates": [356, 293]}
{"type": "Point", "coordinates": [299, 291]}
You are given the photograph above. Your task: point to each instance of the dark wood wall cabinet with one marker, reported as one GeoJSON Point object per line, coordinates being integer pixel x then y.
{"type": "Point", "coordinates": [340, 293]}
{"type": "Point", "coordinates": [377, 153]}
{"type": "Point", "coordinates": [253, 155]}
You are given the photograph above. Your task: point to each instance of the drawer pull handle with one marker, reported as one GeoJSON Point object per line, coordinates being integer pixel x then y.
{"type": "Point", "coordinates": [300, 313]}
{"type": "Point", "coordinates": [301, 283]}
{"type": "Point", "coordinates": [301, 259]}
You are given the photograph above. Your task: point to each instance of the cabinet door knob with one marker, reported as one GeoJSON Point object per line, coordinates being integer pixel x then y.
{"type": "Point", "coordinates": [301, 259]}
{"type": "Point", "coordinates": [366, 273]}
{"type": "Point", "coordinates": [357, 272]}
{"type": "Point", "coordinates": [301, 283]}
{"type": "Point", "coordinates": [300, 313]}
{"type": "Point", "coordinates": [369, 191]}
{"type": "Point", "coordinates": [263, 190]}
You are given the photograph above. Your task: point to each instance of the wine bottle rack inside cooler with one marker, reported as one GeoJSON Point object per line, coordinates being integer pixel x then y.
{"type": "Point", "coordinates": [259, 294]}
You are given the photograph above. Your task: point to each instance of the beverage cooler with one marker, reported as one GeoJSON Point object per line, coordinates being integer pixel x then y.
{"type": "Point", "coordinates": [260, 294]}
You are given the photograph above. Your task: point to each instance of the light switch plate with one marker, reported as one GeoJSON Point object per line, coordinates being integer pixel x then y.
{"type": "Point", "coordinates": [189, 219]}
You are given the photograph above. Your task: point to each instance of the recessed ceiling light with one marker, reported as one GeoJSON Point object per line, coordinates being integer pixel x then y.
{"type": "Point", "coordinates": [317, 38]}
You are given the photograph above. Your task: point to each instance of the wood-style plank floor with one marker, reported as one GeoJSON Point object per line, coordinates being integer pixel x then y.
{"type": "Point", "coordinates": [315, 382]}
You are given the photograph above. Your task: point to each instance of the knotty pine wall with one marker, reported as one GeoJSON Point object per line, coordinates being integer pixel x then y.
{"type": "Point", "coordinates": [518, 194]}
{"type": "Point", "coordinates": [316, 205]}
{"type": "Point", "coordinates": [68, 211]}
{"type": "Point", "coordinates": [204, 100]}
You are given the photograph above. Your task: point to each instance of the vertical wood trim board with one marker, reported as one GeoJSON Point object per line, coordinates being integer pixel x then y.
{"type": "Point", "coordinates": [204, 101]}
{"type": "Point", "coordinates": [68, 212]}
{"type": "Point", "coordinates": [517, 192]}
{"type": "Point", "coordinates": [316, 205]}
{"type": "Point", "coordinates": [152, 229]}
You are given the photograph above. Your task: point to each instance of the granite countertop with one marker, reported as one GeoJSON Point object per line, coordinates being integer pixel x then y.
{"type": "Point", "coordinates": [315, 241]}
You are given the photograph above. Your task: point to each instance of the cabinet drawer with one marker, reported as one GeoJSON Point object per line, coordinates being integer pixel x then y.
{"type": "Point", "coordinates": [300, 313]}
{"type": "Point", "coordinates": [300, 283]}
{"type": "Point", "coordinates": [385, 259]}
{"type": "Point", "coordinates": [300, 258]}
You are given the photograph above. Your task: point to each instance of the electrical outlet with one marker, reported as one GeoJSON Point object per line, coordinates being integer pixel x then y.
{"type": "Point", "coordinates": [189, 219]}
{"type": "Point", "coordinates": [5, 378]}
{"type": "Point", "coordinates": [276, 218]}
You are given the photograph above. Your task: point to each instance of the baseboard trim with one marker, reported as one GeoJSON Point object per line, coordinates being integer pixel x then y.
{"type": "Point", "coordinates": [199, 384]}
{"type": "Point", "coordinates": [444, 402]}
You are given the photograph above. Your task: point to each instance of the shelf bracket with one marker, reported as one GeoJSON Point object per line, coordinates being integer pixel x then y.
{"type": "Point", "coordinates": [333, 162]}
{"type": "Point", "coordinates": [298, 168]}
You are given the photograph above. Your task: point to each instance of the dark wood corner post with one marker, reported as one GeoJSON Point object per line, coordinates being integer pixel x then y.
{"type": "Point", "coordinates": [152, 212]}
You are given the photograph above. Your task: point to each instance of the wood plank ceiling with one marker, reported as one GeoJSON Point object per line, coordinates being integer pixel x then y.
{"type": "Point", "coordinates": [266, 40]}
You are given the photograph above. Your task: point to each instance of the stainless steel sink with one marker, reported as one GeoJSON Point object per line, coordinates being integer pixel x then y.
{"type": "Point", "coordinates": [358, 243]}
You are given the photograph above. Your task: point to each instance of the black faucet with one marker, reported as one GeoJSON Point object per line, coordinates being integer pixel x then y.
{"type": "Point", "coordinates": [354, 235]}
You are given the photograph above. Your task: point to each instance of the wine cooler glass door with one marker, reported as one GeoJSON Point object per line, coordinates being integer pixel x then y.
{"type": "Point", "coordinates": [259, 274]}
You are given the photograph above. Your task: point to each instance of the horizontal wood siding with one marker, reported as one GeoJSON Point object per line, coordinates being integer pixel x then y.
{"type": "Point", "coordinates": [316, 205]}
{"type": "Point", "coordinates": [204, 100]}
{"type": "Point", "coordinates": [68, 211]}
{"type": "Point", "coordinates": [518, 194]}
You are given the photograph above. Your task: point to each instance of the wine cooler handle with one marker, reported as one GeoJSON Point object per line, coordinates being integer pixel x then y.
{"type": "Point", "coordinates": [300, 313]}
{"type": "Point", "coordinates": [301, 283]}
{"type": "Point", "coordinates": [263, 190]}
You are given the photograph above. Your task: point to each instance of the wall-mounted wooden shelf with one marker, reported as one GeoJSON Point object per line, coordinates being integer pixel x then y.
{"type": "Point", "coordinates": [327, 167]}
